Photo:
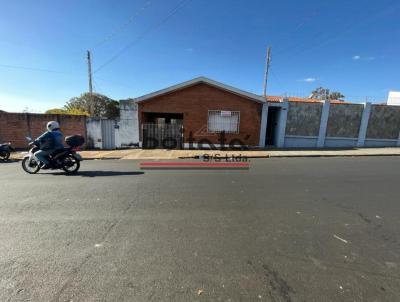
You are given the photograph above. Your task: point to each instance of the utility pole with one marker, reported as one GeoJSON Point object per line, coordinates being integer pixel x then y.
{"type": "Point", "coordinates": [89, 61]}
{"type": "Point", "coordinates": [268, 61]}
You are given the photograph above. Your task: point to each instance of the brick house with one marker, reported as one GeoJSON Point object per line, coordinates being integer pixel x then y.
{"type": "Point", "coordinates": [211, 113]}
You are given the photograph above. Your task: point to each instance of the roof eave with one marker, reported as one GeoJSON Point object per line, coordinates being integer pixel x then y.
{"type": "Point", "coordinates": [199, 80]}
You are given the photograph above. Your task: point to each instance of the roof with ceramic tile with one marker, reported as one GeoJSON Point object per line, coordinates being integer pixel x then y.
{"type": "Point", "coordinates": [274, 98]}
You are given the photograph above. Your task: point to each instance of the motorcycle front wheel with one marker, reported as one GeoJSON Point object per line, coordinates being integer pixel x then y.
{"type": "Point", "coordinates": [30, 165]}
{"type": "Point", "coordinates": [71, 165]}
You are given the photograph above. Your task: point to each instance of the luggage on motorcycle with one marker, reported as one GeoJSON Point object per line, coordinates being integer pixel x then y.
{"type": "Point", "coordinates": [75, 140]}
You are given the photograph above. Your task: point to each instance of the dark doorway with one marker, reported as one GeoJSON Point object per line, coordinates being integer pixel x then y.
{"type": "Point", "coordinates": [272, 126]}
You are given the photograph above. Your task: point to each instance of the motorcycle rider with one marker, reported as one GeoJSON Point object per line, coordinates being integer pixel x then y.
{"type": "Point", "coordinates": [49, 142]}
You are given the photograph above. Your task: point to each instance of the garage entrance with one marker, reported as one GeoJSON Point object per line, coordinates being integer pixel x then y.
{"type": "Point", "coordinates": [162, 130]}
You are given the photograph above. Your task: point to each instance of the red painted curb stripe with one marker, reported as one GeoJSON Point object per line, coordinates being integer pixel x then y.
{"type": "Point", "coordinates": [155, 164]}
{"type": "Point", "coordinates": [194, 167]}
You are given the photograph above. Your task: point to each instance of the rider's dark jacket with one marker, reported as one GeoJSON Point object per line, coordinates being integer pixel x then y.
{"type": "Point", "coordinates": [50, 140]}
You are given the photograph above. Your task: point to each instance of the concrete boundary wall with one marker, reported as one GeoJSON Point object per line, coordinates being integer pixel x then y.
{"type": "Point", "coordinates": [126, 130]}
{"type": "Point", "coordinates": [344, 120]}
{"type": "Point", "coordinates": [380, 143]}
{"type": "Point", "coordinates": [344, 142]}
{"type": "Point", "coordinates": [303, 119]}
{"type": "Point", "coordinates": [15, 127]}
{"type": "Point", "coordinates": [339, 125]}
{"type": "Point", "coordinates": [298, 141]}
{"type": "Point", "coordinates": [384, 122]}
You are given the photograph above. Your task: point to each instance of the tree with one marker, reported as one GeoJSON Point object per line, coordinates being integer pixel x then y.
{"type": "Point", "coordinates": [112, 109]}
{"type": "Point", "coordinates": [65, 111]}
{"type": "Point", "coordinates": [322, 93]}
{"type": "Point", "coordinates": [96, 105]}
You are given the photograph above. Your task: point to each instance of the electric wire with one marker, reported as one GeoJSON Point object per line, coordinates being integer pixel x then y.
{"type": "Point", "coordinates": [175, 10]}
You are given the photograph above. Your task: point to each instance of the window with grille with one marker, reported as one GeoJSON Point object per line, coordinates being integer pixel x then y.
{"type": "Point", "coordinates": [223, 121]}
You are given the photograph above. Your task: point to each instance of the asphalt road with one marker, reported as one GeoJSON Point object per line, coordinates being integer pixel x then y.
{"type": "Point", "coordinates": [305, 229]}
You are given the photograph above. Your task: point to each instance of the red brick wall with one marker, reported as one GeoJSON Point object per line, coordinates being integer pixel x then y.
{"type": "Point", "coordinates": [14, 127]}
{"type": "Point", "coordinates": [195, 101]}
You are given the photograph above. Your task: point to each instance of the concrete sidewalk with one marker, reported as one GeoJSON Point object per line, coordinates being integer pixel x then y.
{"type": "Point", "coordinates": [175, 154]}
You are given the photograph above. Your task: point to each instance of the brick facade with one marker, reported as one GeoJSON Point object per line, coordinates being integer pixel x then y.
{"type": "Point", "coordinates": [195, 101]}
{"type": "Point", "coordinates": [14, 127]}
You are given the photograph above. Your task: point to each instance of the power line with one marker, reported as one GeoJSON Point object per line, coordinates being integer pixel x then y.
{"type": "Point", "coordinates": [114, 83]}
{"type": "Point", "coordinates": [124, 25]}
{"type": "Point", "coordinates": [179, 6]}
{"type": "Point", "coordinates": [33, 69]}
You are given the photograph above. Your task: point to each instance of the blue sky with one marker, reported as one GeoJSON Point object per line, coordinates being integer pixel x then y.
{"type": "Point", "coordinates": [351, 46]}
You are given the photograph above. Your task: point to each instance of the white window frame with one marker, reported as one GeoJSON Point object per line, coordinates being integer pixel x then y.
{"type": "Point", "coordinates": [219, 111]}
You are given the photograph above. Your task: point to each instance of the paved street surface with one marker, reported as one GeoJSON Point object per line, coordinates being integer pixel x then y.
{"type": "Point", "coordinates": [289, 229]}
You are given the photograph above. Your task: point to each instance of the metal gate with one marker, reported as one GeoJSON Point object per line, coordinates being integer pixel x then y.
{"type": "Point", "coordinates": [165, 136]}
{"type": "Point", "coordinates": [108, 134]}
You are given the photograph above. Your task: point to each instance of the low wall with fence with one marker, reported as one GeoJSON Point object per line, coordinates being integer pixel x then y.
{"type": "Point", "coordinates": [15, 127]}
{"type": "Point", "coordinates": [318, 125]}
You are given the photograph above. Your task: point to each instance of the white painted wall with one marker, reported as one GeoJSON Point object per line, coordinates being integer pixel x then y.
{"type": "Point", "coordinates": [394, 98]}
{"type": "Point", "coordinates": [127, 132]}
{"type": "Point", "coordinates": [93, 129]}
{"type": "Point", "coordinates": [127, 135]}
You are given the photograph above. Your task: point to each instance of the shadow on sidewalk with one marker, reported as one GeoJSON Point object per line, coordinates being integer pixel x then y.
{"type": "Point", "coordinates": [99, 173]}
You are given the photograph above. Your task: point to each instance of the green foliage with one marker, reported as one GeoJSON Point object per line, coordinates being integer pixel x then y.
{"type": "Point", "coordinates": [96, 105]}
{"type": "Point", "coordinates": [112, 110]}
{"type": "Point", "coordinates": [66, 111]}
{"type": "Point", "coordinates": [322, 93]}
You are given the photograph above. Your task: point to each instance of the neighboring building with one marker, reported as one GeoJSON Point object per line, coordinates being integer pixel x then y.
{"type": "Point", "coordinates": [394, 98]}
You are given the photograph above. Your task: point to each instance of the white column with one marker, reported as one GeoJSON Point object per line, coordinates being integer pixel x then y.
{"type": "Point", "coordinates": [282, 124]}
{"type": "Point", "coordinates": [323, 124]}
{"type": "Point", "coordinates": [263, 126]}
{"type": "Point", "coordinates": [398, 141]}
{"type": "Point", "coordinates": [364, 125]}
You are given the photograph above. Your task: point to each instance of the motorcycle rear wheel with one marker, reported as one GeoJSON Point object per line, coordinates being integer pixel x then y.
{"type": "Point", "coordinates": [30, 165]}
{"type": "Point", "coordinates": [4, 155]}
{"type": "Point", "coordinates": [71, 165]}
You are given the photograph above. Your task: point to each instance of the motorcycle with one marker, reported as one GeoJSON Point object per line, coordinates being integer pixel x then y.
{"type": "Point", "coordinates": [5, 151]}
{"type": "Point", "coordinates": [66, 159]}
